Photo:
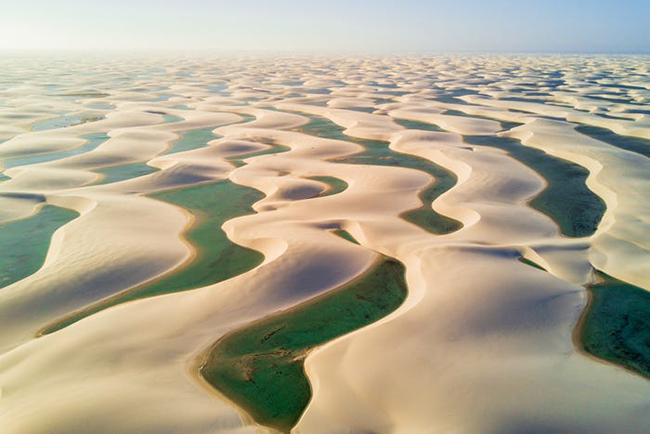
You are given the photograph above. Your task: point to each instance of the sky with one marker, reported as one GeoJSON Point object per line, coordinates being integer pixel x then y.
{"type": "Point", "coordinates": [576, 26]}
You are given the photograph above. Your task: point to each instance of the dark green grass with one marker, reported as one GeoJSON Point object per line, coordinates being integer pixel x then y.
{"type": "Point", "coordinates": [217, 258]}
{"type": "Point", "coordinates": [566, 199]}
{"type": "Point", "coordinates": [378, 153]}
{"type": "Point", "coordinates": [261, 366]}
{"type": "Point", "coordinates": [25, 242]}
{"type": "Point", "coordinates": [616, 327]}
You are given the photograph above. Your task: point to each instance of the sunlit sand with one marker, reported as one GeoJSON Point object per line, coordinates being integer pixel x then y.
{"type": "Point", "coordinates": [401, 244]}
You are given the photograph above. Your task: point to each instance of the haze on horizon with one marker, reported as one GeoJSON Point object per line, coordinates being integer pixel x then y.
{"type": "Point", "coordinates": [589, 26]}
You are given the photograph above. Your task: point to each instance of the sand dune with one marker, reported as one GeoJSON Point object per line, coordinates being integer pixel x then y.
{"type": "Point", "coordinates": [484, 342]}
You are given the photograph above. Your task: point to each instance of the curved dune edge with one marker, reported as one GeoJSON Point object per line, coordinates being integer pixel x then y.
{"type": "Point", "coordinates": [302, 328]}
{"type": "Point", "coordinates": [608, 166]}
{"type": "Point", "coordinates": [18, 258]}
{"type": "Point", "coordinates": [476, 320]}
{"type": "Point", "coordinates": [443, 219]}
{"type": "Point", "coordinates": [175, 250]}
{"type": "Point", "coordinates": [160, 281]}
{"type": "Point", "coordinates": [311, 420]}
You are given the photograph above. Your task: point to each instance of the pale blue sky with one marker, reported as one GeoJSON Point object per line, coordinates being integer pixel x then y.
{"type": "Point", "coordinates": [334, 25]}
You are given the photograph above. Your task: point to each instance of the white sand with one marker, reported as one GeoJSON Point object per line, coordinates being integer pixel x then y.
{"type": "Point", "coordinates": [483, 343]}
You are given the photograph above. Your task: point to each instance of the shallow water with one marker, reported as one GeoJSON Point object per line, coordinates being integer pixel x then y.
{"type": "Point", "coordinates": [260, 366]}
{"type": "Point", "coordinates": [193, 139]}
{"type": "Point", "coordinates": [123, 172]}
{"type": "Point", "coordinates": [18, 258]}
{"type": "Point", "coordinates": [273, 348]}
{"type": "Point", "coordinates": [62, 122]}
{"type": "Point", "coordinates": [566, 199]}
{"type": "Point", "coordinates": [632, 144]}
{"type": "Point", "coordinates": [335, 185]}
{"type": "Point", "coordinates": [217, 258]}
{"type": "Point", "coordinates": [93, 141]}
{"type": "Point", "coordinates": [617, 326]}
{"type": "Point", "coordinates": [378, 153]}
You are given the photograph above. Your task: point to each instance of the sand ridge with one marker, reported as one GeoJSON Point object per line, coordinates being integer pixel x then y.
{"type": "Point", "coordinates": [479, 334]}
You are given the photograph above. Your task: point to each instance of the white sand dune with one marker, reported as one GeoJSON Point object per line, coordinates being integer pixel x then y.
{"type": "Point", "coordinates": [622, 179]}
{"type": "Point", "coordinates": [483, 342]}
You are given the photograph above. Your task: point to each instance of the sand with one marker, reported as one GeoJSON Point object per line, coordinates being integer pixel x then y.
{"type": "Point", "coordinates": [482, 343]}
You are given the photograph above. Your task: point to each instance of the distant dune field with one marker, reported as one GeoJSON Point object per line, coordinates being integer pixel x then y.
{"type": "Point", "coordinates": [396, 244]}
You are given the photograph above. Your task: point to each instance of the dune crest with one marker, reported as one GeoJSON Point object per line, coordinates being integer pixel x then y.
{"type": "Point", "coordinates": [190, 200]}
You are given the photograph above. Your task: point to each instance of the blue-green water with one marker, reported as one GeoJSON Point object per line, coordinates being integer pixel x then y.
{"type": "Point", "coordinates": [193, 139]}
{"type": "Point", "coordinates": [218, 88]}
{"type": "Point", "coordinates": [617, 324]}
{"type": "Point", "coordinates": [633, 144]}
{"type": "Point", "coordinates": [378, 153]}
{"type": "Point", "coordinates": [217, 258]}
{"type": "Point", "coordinates": [62, 122]}
{"type": "Point", "coordinates": [93, 141]}
{"type": "Point", "coordinates": [172, 118]}
{"type": "Point", "coordinates": [566, 199]}
{"type": "Point", "coordinates": [159, 98]}
{"type": "Point", "coordinates": [261, 365]}
{"type": "Point", "coordinates": [25, 242]}
{"type": "Point", "coordinates": [199, 138]}
{"type": "Point", "coordinates": [505, 125]}
{"type": "Point", "coordinates": [124, 172]}
{"type": "Point", "coordinates": [101, 106]}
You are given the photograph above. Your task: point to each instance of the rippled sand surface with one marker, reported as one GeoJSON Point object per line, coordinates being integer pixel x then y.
{"type": "Point", "coordinates": [152, 208]}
